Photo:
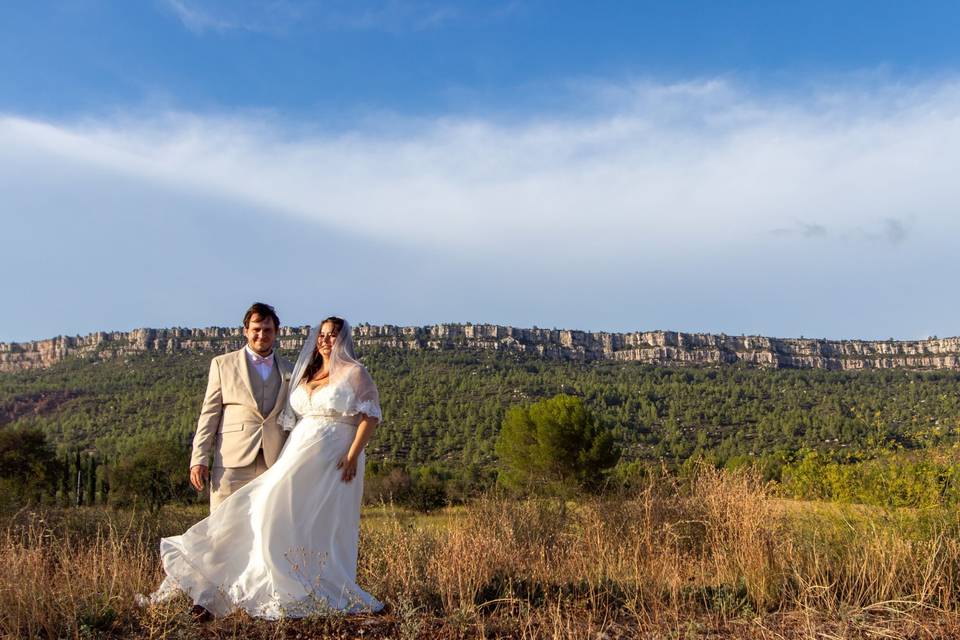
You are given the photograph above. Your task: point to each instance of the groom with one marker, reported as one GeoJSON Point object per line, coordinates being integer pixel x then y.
{"type": "Point", "coordinates": [246, 391]}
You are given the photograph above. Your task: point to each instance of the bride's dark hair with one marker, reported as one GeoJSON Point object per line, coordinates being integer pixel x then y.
{"type": "Point", "coordinates": [316, 360]}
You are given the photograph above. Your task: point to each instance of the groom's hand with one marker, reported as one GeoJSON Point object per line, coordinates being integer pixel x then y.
{"type": "Point", "coordinates": [199, 473]}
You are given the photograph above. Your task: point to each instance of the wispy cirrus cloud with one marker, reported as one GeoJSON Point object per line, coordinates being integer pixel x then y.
{"type": "Point", "coordinates": [200, 19]}
{"type": "Point", "coordinates": [282, 16]}
{"type": "Point", "coordinates": [888, 230]}
{"type": "Point", "coordinates": [802, 229]}
{"type": "Point", "coordinates": [394, 16]}
{"type": "Point", "coordinates": [894, 230]}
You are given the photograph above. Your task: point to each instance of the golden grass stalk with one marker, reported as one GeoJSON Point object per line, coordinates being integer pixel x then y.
{"type": "Point", "coordinates": [719, 555]}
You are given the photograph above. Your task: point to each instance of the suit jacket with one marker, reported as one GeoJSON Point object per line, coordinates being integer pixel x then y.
{"type": "Point", "coordinates": [231, 425]}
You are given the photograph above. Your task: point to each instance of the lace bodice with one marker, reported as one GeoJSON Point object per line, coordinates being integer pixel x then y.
{"type": "Point", "coordinates": [331, 401]}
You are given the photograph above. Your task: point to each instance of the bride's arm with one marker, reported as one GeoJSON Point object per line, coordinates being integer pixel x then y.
{"type": "Point", "coordinates": [348, 463]}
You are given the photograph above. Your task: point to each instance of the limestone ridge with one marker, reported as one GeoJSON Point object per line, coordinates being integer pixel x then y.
{"type": "Point", "coordinates": [651, 347]}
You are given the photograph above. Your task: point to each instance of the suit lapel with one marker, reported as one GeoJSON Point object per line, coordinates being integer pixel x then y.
{"type": "Point", "coordinates": [243, 372]}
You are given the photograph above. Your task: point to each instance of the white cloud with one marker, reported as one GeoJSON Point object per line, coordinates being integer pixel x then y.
{"type": "Point", "coordinates": [688, 206]}
{"type": "Point", "coordinates": [682, 165]}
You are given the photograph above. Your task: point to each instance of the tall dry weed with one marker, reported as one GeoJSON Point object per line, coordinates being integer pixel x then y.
{"type": "Point", "coordinates": [716, 555]}
{"type": "Point", "coordinates": [55, 583]}
{"type": "Point", "coordinates": [743, 531]}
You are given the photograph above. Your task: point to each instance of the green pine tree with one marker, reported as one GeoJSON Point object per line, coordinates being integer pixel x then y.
{"type": "Point", "coordinates": [555, 445]}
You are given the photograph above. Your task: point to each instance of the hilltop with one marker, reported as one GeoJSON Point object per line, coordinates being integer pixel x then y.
{"type": "Point", "coordinates": [664, 348]}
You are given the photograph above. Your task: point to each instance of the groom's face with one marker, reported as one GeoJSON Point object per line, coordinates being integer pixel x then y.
{"type": "Point", "coordinates": [260, 333]}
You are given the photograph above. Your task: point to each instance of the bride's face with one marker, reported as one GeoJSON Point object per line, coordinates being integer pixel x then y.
{"type": "Point", "coordinates": [326, 338]}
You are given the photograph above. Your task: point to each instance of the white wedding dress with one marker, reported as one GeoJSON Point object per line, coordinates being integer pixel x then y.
{"type": "Point", "coordinates": [285, 545]}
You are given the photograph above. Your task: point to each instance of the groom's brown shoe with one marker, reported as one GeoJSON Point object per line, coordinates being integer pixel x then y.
{"type": "Point", "coordinates": [200, 614]}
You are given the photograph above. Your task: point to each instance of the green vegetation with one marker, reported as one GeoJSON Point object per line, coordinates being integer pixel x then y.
{"type": "Point", "coordinates": [689, 533]}
{"type": "Point", "coordinates": [556, 444]}
{"type": "Point", "coordinates": [892, 429]}
{"type": "Point", "coordinates": [926, 479]}
{"type": "Point", "coordinates": [151, 475]}
{"type": "Point", "coordinates": [28, 466]}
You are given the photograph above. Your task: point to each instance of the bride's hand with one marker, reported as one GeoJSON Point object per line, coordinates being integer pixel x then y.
{"type": "Point", "coordinates": [349, 467]}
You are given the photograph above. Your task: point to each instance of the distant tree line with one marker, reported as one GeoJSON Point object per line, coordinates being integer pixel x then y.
{"type": "Point", "coordinates": [31, 472]}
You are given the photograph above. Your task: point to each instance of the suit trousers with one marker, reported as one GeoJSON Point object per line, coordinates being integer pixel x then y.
{"type": "Point", "coordinates": [224, 481]}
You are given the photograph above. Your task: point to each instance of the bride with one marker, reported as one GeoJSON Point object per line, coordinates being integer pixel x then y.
{"type": "Point", "coordinates": [285, 545]}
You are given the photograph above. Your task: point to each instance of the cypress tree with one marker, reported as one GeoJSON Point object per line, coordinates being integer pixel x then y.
{"type": "Point", "coordinates": [92, 480]}
{"type": "Point", "coordinates": [65, 480]}
{"type": "Point", "coordinates": [78, 468]}
{"type": "Point", "coordinates": [105, 482]}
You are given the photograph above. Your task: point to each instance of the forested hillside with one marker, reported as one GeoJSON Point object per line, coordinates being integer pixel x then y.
{"type": "Point", "coordinates": [445, 407]}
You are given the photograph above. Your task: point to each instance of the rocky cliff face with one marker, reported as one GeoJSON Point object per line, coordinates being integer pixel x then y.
{"type": "Point", "coordinates": [652, 347]}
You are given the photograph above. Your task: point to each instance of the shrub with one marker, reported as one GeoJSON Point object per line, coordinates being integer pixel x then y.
{"type": "Point", "coordinates": [29, 468]}
{"type": "Point", "coordinates": [155, 474]}
{"type": "Point", "coordinates": [555, 444]}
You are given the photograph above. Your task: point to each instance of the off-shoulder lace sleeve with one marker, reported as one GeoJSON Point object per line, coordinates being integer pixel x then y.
{"type": "Point", "coordinates": [366, 396]}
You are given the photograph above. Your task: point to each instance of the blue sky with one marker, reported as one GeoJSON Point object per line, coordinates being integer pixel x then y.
{"type": "Point", "coordinates": [777, 168]}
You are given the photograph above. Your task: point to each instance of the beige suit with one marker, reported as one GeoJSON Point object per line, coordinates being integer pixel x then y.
{"type": "Point", "coordinates": [237, 427]}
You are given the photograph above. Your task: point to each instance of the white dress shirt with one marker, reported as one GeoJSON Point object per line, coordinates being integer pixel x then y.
{"type": "Point", "coordinates": [263, 365]}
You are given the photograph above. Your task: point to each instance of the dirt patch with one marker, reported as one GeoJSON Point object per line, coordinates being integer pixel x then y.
{"type": "Point", "coordinates": [35, 404]}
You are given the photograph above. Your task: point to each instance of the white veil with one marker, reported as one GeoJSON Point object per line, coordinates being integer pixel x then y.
{"type": "Point", "coordinates": [344, 369]}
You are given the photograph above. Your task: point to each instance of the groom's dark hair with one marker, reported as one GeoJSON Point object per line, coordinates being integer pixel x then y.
{"type": "Point", "coordinates": [264, 311]}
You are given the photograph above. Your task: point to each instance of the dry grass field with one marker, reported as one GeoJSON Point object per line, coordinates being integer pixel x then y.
{"type": "Point", "coordinates": [718, 557]}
